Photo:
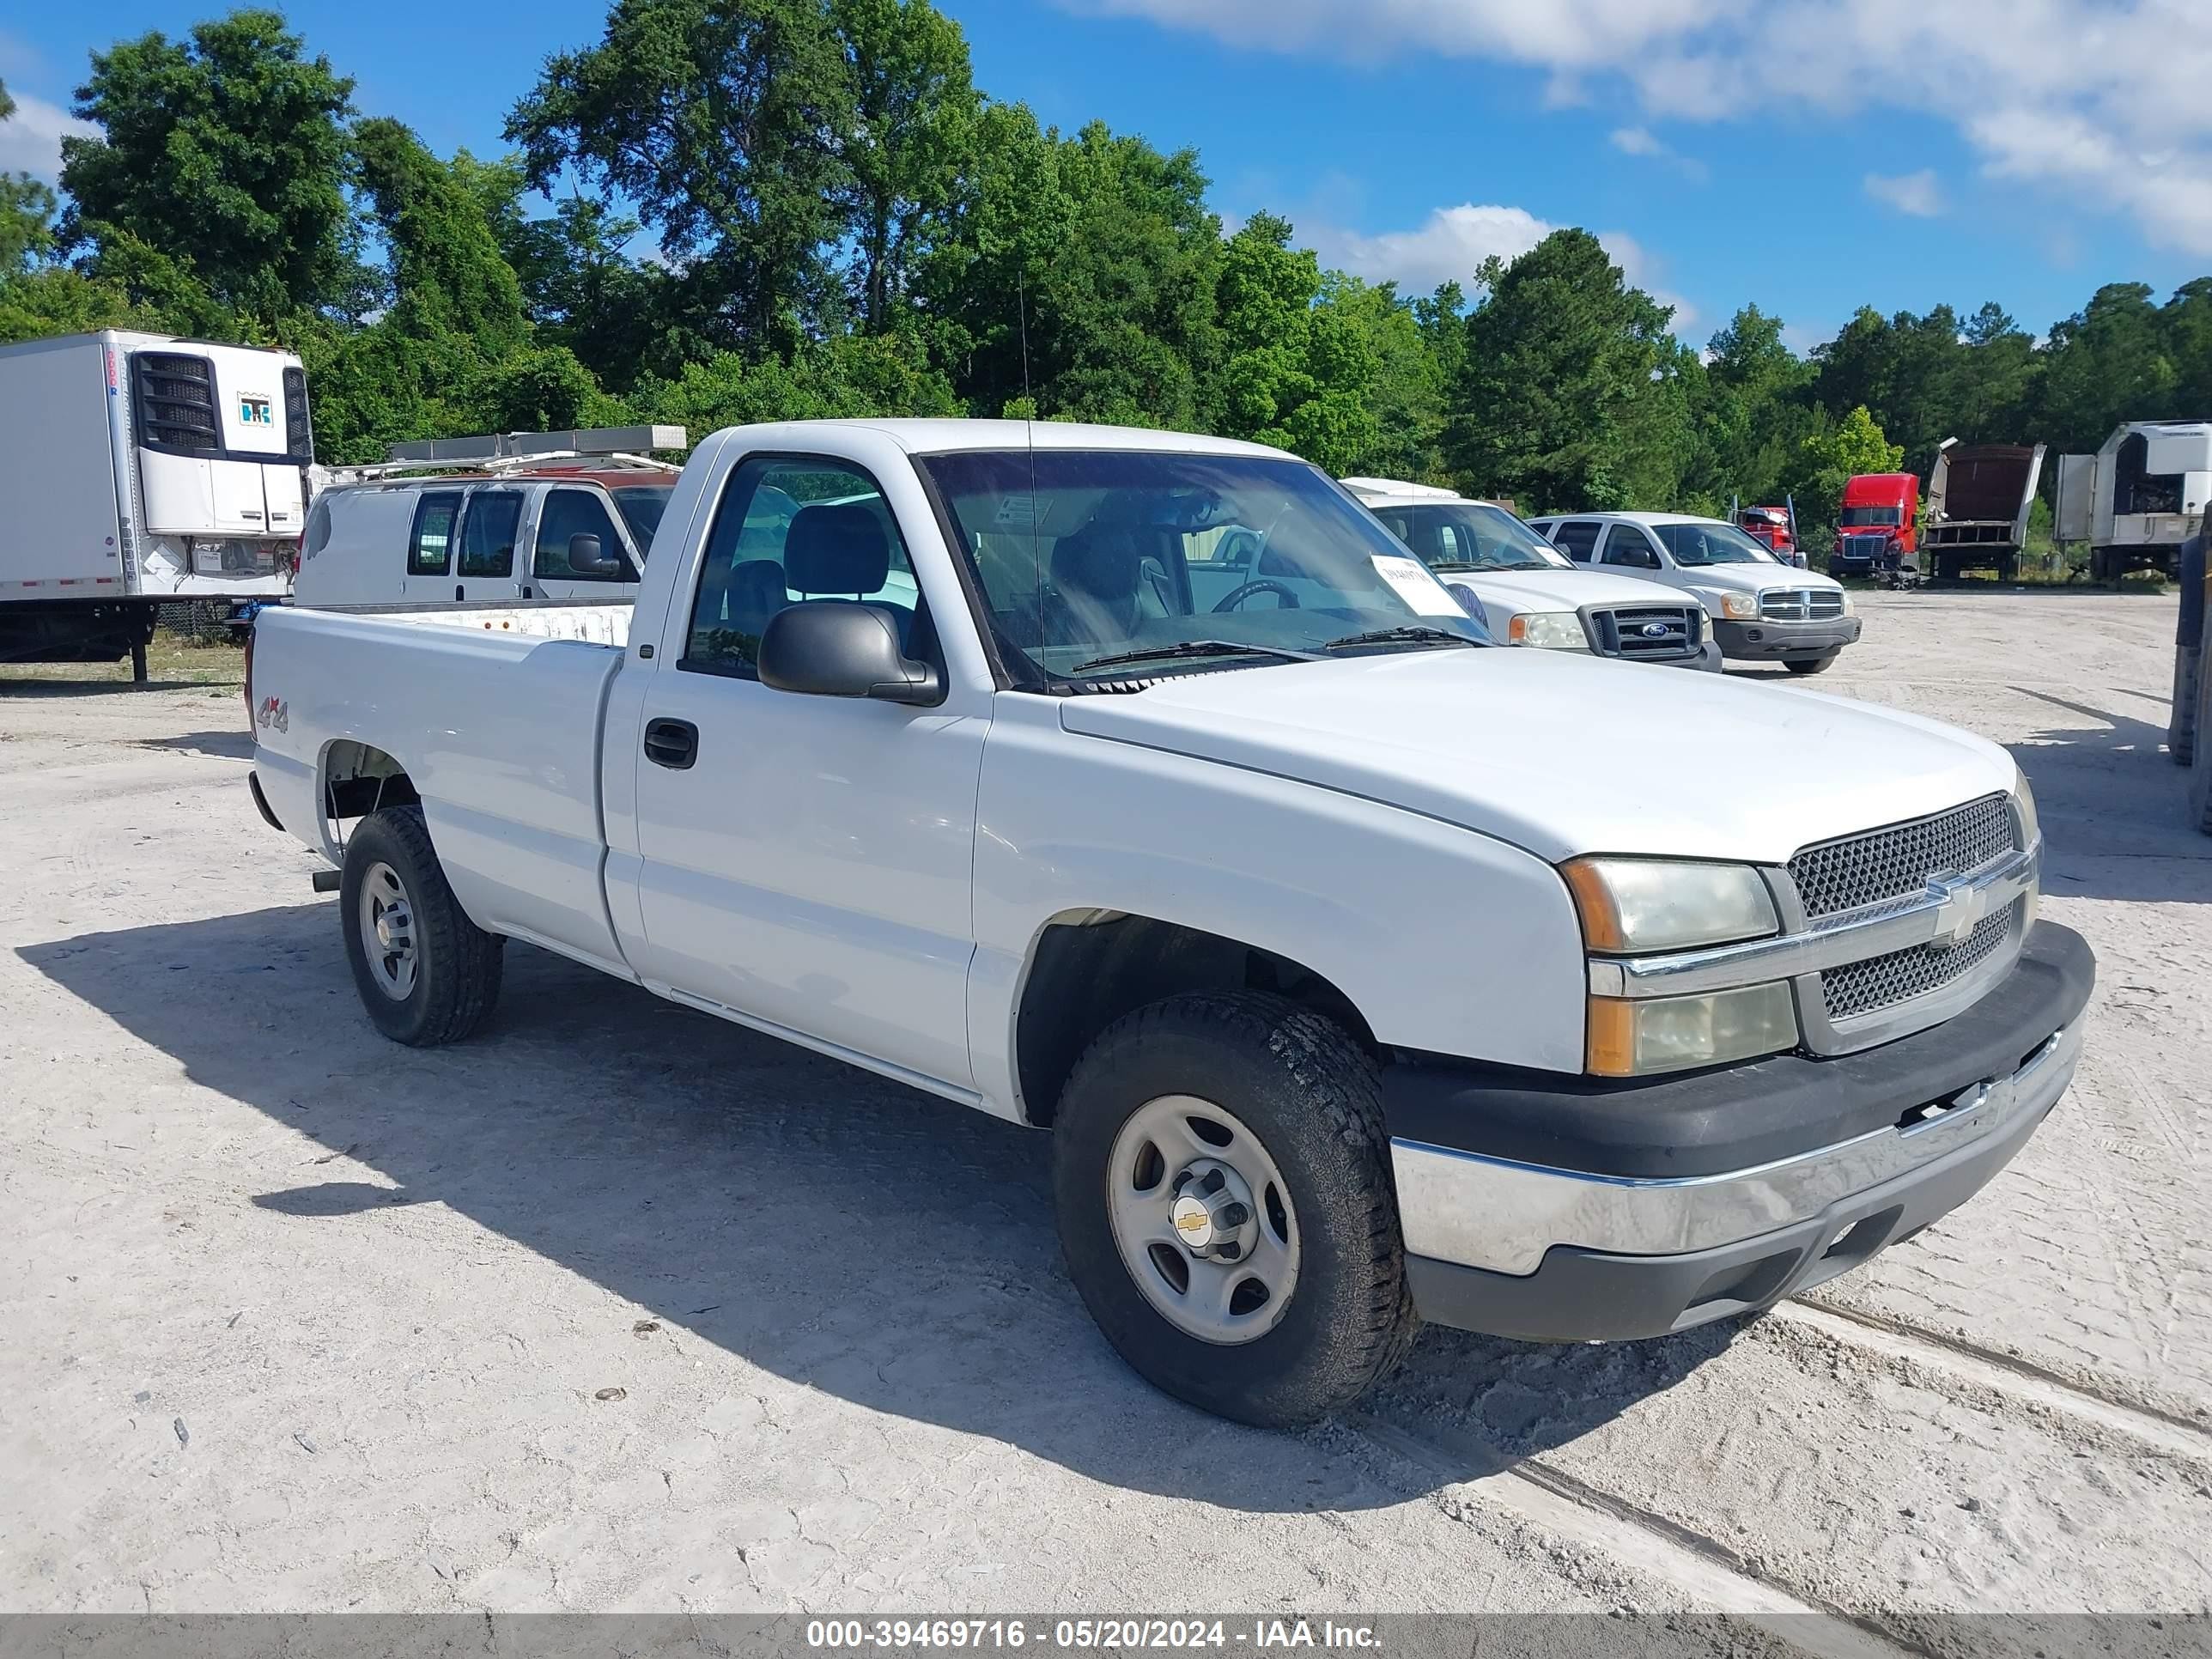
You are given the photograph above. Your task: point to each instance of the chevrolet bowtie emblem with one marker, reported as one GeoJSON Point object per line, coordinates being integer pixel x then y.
{"type": "Point", "coordinates": [1957, 913]}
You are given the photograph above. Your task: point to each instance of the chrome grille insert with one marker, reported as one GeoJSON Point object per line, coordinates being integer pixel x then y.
{"type": "Point", "coordinates": [1648, 631]}
{"type": "Point", "coordinates": [1898, 862]}
{"type": "Point", "coordinates": [1801, 604]}
{"type": "Point", "coordinates": [1861, 987]}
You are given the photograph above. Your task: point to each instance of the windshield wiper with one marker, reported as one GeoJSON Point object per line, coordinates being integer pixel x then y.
{"type": "Point", "coordinates": [1195, 648]}
{"type": "Point", "coordinates": [1411, 632]}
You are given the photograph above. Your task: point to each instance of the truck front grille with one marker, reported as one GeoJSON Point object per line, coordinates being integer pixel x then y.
{"type": "Point", "coordinates": [1898, 862]}
{"type": "Point", "coordinates": [1649, 631]}
{"type": "Point", "coordinates": [1869, 548]}
{"type": "Point", "coordinates": [1864, 988]}
{"type": "Point", "coordinates": [1801, 604]}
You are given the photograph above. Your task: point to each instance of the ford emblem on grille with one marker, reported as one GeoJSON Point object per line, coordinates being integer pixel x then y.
{"type": "Point", "coordinates": [1654, 630]}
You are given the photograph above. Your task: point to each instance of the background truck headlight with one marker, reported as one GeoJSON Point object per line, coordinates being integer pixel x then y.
{"type": "Point", "coordinates": [1632, 906]}
{"type": "Point", "coordinates": [1552, 630]}
{"type": "Point", "coordinates": [1740, 607]}
{"type": "Point", "coordinates": [1670, 1034]}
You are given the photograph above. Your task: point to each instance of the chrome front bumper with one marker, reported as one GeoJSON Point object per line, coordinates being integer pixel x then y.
{"type": "Point", "coordinates": [1505, 1217]}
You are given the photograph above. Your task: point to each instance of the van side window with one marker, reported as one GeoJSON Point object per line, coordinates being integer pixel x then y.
{"type": "Point", "coordinates": [1575, 538]}
{"type": "Point", "coordinates": [792, 528]}
{"type": "Point", "coordinates": [567, 514]}
{"type": "Point", "coordinates": [431, 544]}
{"type": "Point", "coordinates": [488, 532]}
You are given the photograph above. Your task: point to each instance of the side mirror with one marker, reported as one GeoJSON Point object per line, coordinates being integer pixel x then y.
{"type": "Point", "coordinates": [836, 649]}
{"type": "Point", "coordinates": [585, 558]}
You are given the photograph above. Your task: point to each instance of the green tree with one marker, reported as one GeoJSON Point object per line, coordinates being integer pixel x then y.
{"type": "Point", "coordinates": [224, 154]}
{"type": "Point", "coordinates": [1570, 393]}
{"type": "Point", "coordinates": [1100, 250]}
{"type": "Point", "coordinates": [27, 213]}
{"type": "Point", "coordinates": [727, 122]}
{"type": "Point", "coordinates": [913, 111]}
{"type": "Point", "coordinates": [1829, 457]}
{"type": "Point", "coordinates": [2106, 364]}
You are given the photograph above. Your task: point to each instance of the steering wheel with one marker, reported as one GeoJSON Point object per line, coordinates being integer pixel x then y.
{"type": "Point", "coordinates": [1264, 585]}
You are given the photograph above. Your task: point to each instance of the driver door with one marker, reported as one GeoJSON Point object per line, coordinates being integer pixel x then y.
{"type": "Point", "coordinates": [805, 862]}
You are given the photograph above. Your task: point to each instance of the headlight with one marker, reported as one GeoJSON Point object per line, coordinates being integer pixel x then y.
{"type": "Point", "coordinates": [1740, 606]}
{"type": "Point", "coordinates": [1668, 1034]}
{"type": "Point", "coordinates": [1552, 630]}
{"type": "Point", "coordinates": [2031, 830]}
{"type": "Point", "coordinates": [1848, 608]}
{"type": "Point", "coordinates": [1632, 906]}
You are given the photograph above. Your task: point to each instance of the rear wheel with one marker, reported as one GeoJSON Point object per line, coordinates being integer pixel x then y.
{"type": "Point", "coordinates": [1226, 1205]}
{"type": "Point", "coordinates": [426, 974]}
{"type": "Point", "coordinates": [1810, 665]}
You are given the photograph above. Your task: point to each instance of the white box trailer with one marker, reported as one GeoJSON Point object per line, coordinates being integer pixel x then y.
{"type": "Point", "coordinates": [140, 469]}
{"type": "Point", "coordinates": [2137, 499]}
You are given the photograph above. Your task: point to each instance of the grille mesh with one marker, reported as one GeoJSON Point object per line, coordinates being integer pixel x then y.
{"type": "Point", "coordinates": [1897, 862]}
{"type": "Point", "coordinates": [1620, 631]}
{"type": "Point", "coordinates": [1861, 987]}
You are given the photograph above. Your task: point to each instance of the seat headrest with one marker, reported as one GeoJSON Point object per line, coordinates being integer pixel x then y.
{"type": "Point", "coordinates": [1099, 562]}
{"type": "Point", "coordinates": [836, 547]}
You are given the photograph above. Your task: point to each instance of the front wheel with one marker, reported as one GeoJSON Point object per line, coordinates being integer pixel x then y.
{"type": "Point", "coordinates": [1810, 665]}
{"type": "Point", "coordinates": [1227, 1209]}
{"type": "Point", "coordinates": [426, 973]}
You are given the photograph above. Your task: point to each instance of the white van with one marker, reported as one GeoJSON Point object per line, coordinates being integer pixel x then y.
{"type": "Point", "coordinates": [467, 538]}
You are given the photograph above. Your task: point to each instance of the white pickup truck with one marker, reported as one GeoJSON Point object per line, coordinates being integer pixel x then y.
{"type": "Point", "coordinates": [1362, 972]}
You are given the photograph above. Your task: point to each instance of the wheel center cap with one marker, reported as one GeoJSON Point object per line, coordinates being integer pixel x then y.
{"type": "Point", "coordinates": [1193, 1222]}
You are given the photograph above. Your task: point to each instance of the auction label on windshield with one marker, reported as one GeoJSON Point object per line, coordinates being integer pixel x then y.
{"type": "Point", "coordinates": [1416, 587]}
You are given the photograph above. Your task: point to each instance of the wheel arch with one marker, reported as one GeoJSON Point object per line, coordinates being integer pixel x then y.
{"type": "Point", "coordinates": [1086, 969]}
{"type": "Point", "coordinates": [353, 778]}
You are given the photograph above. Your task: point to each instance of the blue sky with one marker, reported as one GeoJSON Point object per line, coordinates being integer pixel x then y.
{"type": "Point", "coordinates": [2019, 150]}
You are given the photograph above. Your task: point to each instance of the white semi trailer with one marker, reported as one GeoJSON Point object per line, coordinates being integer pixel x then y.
{"type": "Point", "coordinates": [2137, 499]}
{"type": "Point", "coordinates": [138, 471]}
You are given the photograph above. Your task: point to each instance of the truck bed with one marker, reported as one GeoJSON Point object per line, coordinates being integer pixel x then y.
{"type": "Point", "coordinates": [492, 712]}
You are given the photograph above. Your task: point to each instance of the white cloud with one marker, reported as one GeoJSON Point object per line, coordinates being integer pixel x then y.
{"type": "Point", "coordinates": [1454, 240]}
{"type": "Point", "coordinates": [2101, 102]}
{"type": "Point", "coordinates": [1916, 193]}
{"type": "Point", "coordinates": [31, 138]}
{"type": "Point", "coordinates": [1644, 142]}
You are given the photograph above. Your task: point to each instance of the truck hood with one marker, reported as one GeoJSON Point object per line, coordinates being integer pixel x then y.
{"type": "Point", "coordinates": [1753, 578]}
{"type": "Point", "coordinates": [1541, 749]}
{"type": "Point", "coordinates": [1514, 591]}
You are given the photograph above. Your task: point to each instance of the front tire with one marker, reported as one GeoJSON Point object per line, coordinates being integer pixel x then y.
{"type": "Point", "coordinates": [1270, 1285]}
{"type": "Point", "coordinates": [1810, 665]}
{"type": "Point", "coordinates": [426, 975]}
{"type": "Point", "coordinates": [2200, 772]}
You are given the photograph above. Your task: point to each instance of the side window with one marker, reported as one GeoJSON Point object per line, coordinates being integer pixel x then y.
{"type": "Point", "coordinates": [1575, 538]}
{"type": "Point", "coordinates": [791, 528]}
{"type": "Point", "coordinates": [317, 536]}
{"type": "Point", "coordinates": [567, 514]}
{"type": "Point", "coordinates": [1625, 544]}
{"type": "Point", "coordinates": [488, 532]}
{"type": "Point", "coordinates": [430, 543]}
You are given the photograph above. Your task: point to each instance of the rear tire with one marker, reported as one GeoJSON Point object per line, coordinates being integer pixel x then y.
{"type": "Point", "coordinates": [1810, 665]}
{"type": "Point", "coordinates": [1310, 1101]}
{"type": "Point", "coordinates": [426, 975]}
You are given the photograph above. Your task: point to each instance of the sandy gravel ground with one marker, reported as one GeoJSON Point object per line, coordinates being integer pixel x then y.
{"type": "Point", "coordinates": [619, 1307]}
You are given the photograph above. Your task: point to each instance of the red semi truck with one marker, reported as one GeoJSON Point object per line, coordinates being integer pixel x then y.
{"type": "Point", "coordinates": [1877, 529]}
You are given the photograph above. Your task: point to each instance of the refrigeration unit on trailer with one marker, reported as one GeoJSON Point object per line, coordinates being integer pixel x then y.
{"type": "Point", "coordinates": [1979, 497]}
{"type": "Point", "coordinates": [140, 471]}
{"type": "Point", "coordinates": [2137, 500]}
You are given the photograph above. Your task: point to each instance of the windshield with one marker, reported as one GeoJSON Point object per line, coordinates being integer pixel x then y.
{"type": "Point", "coordinates": [1455, 536]}
{"type": "Point", "coordinates": [1121, 554]}
{"type": "Point", "coordinates": [1861, 517]}
{"type": "Point", "coordinates": [1702, 541]}
{"type": "Point", "coordinates": [642, 507]}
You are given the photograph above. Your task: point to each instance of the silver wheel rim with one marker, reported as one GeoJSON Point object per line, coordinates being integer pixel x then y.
{"type": "Point", "coordinates": [1180, 1172]}
{"type": "Point", "coordinates": [388, 931]}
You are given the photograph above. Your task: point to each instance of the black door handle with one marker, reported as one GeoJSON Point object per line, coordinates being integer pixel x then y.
{"type": "Point", "coordinates": [673, 744]}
